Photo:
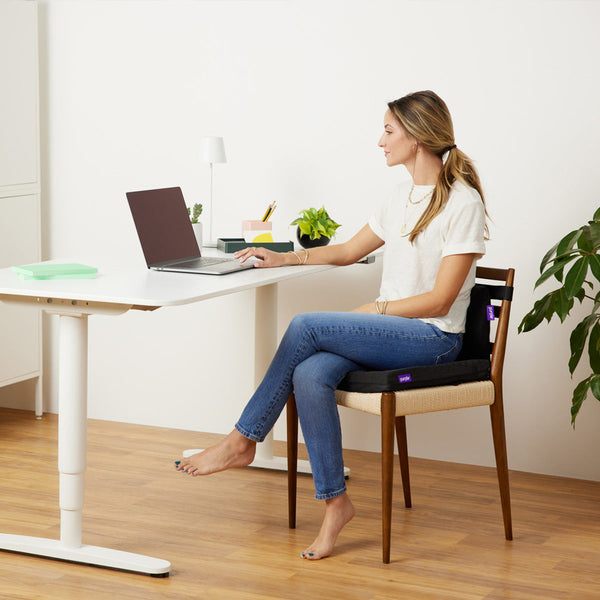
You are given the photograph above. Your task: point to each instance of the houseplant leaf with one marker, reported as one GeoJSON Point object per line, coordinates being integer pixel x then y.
{"type": "Point", "coordinates": [579, 395]}
{"type": "Point", "coordinates": [594, 348]}
{"type": "Point", "coordinates": [592, 232]}
{"type": "Point", "coordinates": [576, 276]}
{"type": "Point", "coordinates": [562, 304]}
{"type": "Point", "coordinates": [595, 386]}
{"type": "Point", "coordinates": [584, 243]}
{"type": "Point", "coordinates": [568, 242]}
{"type": "Point", "coordinates": [305, 228]}
{"type": "Point", "coordinates": [548, 257]}
{"type": "Point", "coordinates": [556, 268]}
{"type": "Point", "coordinates": [536, 315]}
{"type": "Point", "coordinates": [578, 339]}
{"type": "Point", "coordinates": [595, 265]}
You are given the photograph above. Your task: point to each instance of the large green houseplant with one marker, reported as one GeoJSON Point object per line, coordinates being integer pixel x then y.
{"type": "Point", "coordinates": [575, 263]}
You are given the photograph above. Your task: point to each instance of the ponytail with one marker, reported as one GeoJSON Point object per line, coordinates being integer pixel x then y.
{"type": "Point", "coordinates": [426, 117]}
{"type": "Point", "coordinates": [457, 167]}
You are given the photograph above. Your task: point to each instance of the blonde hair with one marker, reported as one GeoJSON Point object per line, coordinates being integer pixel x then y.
{"type": "Point", "coordinates": [425, 117]}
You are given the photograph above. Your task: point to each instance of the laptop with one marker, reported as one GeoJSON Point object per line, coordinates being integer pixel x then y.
{"type": "Point", "coordinates": [167, 238]}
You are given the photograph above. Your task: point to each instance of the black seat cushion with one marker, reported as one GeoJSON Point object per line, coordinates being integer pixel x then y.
{"type": "Point", "coordinates": [472, 363]}
{"type": "Point", "coordinates": [395, 380]}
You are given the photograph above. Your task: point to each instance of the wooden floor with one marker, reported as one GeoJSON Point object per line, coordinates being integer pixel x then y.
{"type": "Point", "coordinates": [227, 537]}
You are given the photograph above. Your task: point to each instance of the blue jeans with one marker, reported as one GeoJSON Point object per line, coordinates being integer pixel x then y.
{"type": "Point", "coordinates": [316, 352]}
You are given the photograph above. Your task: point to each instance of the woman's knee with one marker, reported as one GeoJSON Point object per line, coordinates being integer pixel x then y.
{"type": "Point", "coordinates": [300, 322]}
{"type": "Point", "coordinates": [320, 373]}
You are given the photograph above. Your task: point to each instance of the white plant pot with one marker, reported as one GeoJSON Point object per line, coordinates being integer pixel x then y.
{"type": "Point", "coordinates": [197, 227]}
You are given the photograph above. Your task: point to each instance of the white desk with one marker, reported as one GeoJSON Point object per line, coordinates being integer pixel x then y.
{"type": "Point", "coordinates": [114, 292]}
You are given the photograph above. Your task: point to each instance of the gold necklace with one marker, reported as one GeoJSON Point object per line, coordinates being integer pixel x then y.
{"type": "Point", "coordinates": [411, 201]}
{"type": "Point", "coordinates": [412, 189]}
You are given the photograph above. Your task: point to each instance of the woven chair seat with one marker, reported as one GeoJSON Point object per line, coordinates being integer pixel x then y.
{"type": "Point", "coordinates": [423, 400]}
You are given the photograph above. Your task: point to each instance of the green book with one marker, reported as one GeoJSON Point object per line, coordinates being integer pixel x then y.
{"type": "Point", "coordinates": [56, 271]}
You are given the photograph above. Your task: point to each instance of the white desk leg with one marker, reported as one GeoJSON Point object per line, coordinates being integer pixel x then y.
{"type": "Point", "coordinates": [72, 446]}
{"type": "Point", "coordinates": [39, 398]}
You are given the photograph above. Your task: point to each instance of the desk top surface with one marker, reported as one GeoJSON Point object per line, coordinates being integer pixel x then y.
{"type": "Point", "coordinates": [142, 287]}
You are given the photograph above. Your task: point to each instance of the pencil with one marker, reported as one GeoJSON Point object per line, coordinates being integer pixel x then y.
{"type": "Point", "coordinates": [268, 211]}
{"type": "Point", "coordinates": [271, 211]}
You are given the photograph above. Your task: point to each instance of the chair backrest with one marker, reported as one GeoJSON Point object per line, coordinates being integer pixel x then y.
{"type": "Point", "coordinates": [484, 309]}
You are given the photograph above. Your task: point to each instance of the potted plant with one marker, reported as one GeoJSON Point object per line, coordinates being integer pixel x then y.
{"type": "Point", "coordinates": [194, 213]}
{"type": "Point", "coordinates": [315, 227]}
{"type": "Point", "coordinates": [575, 263]}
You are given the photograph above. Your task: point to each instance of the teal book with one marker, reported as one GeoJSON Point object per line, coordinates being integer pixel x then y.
{"type": "Point", "coordinates": [56, 271]}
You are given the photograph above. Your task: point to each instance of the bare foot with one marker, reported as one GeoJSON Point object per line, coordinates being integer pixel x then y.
{"type": "Point", "coordinates": [338, 512]}
{"type": "Point", "coordinates": [234, 451]}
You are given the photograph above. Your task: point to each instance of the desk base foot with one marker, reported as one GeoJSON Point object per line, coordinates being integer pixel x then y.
{"type": "Point", "coordinates": [88, 555]}
{"type": "Point", "coordinates": [274, 463]}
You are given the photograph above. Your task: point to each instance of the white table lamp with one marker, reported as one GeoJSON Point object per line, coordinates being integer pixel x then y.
{"type": "Point", "coordinates": [212, 150]}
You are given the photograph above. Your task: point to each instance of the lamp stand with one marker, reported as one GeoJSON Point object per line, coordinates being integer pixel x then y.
{"type": "Point", "coordinates": [211, 242]}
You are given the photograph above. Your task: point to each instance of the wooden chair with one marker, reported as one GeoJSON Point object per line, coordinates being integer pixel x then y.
{"type": "Point", "coordinates": [474, 379]}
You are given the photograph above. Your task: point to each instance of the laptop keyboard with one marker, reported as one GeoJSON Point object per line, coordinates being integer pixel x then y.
{"type": "Point", "coordinates": [199, 262]}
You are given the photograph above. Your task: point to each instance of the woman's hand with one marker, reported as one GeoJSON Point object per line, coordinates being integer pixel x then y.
{"type": "Point", "coordinates": [267, 258]}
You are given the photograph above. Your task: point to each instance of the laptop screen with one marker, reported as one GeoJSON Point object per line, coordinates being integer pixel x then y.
{"type": "Point", "coordinates": [163, 225]}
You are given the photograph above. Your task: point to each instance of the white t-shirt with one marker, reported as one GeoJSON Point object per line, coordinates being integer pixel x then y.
{"type": "Point", "coordinates": [411, 269]}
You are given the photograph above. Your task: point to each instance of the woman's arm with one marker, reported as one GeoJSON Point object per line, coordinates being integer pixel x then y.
{"type": "Point", "coordinates": [361, 244]}
{"type": "Point", "coordinates": [449, 280]}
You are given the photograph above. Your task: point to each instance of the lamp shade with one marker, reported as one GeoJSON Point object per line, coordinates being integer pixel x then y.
{"type": "Point", "coordinates": [212, 150]}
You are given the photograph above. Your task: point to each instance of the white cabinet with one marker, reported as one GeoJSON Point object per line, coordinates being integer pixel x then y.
{"type": "Point", "coordinates": [20, 329]}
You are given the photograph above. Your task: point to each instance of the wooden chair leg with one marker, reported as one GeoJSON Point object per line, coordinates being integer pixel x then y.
{"type": "Point", "coordinates": [499, 435]}
{"type": "Point", "coordinates": [403, 456]}
{"type": "Point", "coordinates": [388, 417]}
{"type": "Point", "coordinates": [292, 458]}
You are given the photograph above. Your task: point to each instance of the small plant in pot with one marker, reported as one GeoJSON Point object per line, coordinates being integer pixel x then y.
{"type": "Point", "coordinates": [315, 227]}
{"type": "Point", "coordinates": [194, 214]}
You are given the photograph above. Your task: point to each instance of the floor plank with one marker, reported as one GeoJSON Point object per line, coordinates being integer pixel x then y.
{"type": "Point", "coordinates": [227, 537]}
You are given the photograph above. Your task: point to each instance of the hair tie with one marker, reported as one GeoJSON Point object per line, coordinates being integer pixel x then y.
{"type": "Point", "coordinates": [450, 148]}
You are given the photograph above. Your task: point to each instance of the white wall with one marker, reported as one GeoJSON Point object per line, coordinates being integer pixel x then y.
{"type": "Point", "coordinates": [298, 90]}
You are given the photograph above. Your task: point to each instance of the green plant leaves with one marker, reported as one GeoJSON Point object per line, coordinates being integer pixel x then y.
{"type": "Point", "coordinates": [594, 348]}
{"type": "Point", "coordinates": [592, 234]}
{"type": "Point", "coordinates": [570, 261]}
{"type": "Point", "coordinates": [595, 265]}
{"type": "Point", "coordinates": [562, 304]}
{"type": "Point", "coordinates": [316, 223]}
{"type": "Point", "coordinates": [578, 338]}
{"type": "Point", "coordinates": [556, 269]}
{"type": "Point", "coordinates": [591, 383]}
{"type": "Point", "coordinates": [576, 276]}
{"type": "Point", "coordinates": [554, 303]}
{"type": "Point", "coordinates": [537, 314]}
{"type": "Point", "coordinates": [579, 395]}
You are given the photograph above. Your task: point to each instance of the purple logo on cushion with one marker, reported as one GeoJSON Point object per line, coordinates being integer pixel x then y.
{"type": "Point", "coordinates": [405, 378]}
{"type": "Point", "coordinates": [491, 315]}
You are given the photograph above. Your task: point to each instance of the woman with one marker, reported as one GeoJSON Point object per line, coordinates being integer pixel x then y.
{"type": "Point", "coordinates": [433, 229]}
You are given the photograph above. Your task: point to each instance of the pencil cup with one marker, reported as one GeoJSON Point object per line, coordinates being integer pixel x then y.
{"type": "Point", "coordinates": [256, 225]}
{"type": "Point", "coordinates": [257, 231]}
